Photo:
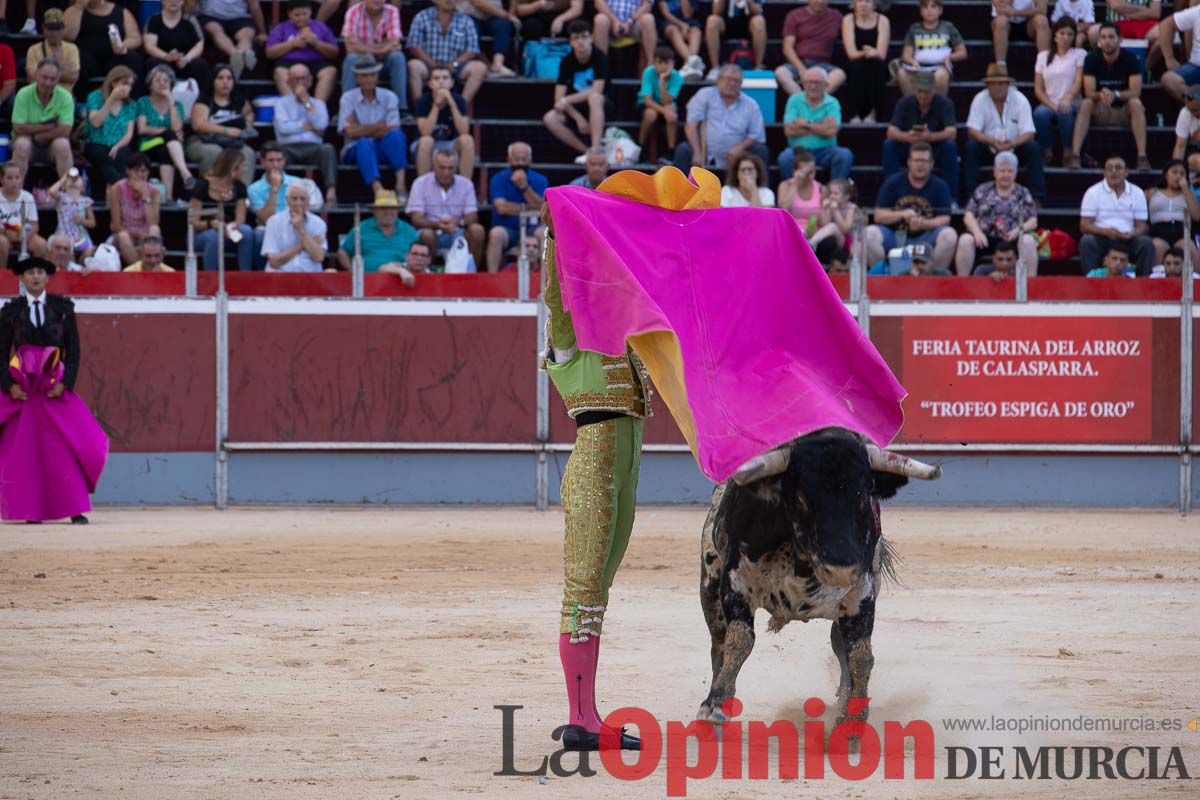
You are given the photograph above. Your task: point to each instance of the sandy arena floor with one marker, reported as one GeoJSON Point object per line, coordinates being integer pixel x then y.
{"type": "Point", "coordinates": [329, 653]}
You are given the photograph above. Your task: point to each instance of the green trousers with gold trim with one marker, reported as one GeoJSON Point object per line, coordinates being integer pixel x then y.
{"type": "Point", "coordinates": [599, 489]}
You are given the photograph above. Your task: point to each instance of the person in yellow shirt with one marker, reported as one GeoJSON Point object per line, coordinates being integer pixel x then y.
{"type": "Point", "coordinates": [55, 48]}
{"type": "Point", "coordinates": [152, 257]}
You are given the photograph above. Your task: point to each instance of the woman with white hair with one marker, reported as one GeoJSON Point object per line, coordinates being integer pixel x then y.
{"type": "Point", "coordinates": [160, 125]}
{"type": "Point", "coordinates": [999, 210]}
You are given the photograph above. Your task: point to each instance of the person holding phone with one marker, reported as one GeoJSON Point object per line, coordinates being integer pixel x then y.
{"type": "Point", "coordinates": [924, 116]}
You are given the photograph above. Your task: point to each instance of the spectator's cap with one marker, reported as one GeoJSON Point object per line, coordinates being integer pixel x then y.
{"type": "Point", "coordinates": [53, 18]}
{"type": "Point", "coordinates": [1193, 92]}
{"type": "Point", "coordinates": [924, 81]}
{"type": "Point", "coordinates": [920, 252]}
{"type": "Point", "coordinates": [31, 263]}
{"type": "Point", "coordinates": [997, 73]}
{"type": "Point", "coordinates": [386, 199]}
{"type": "Point", "coordinates": [367, 65]}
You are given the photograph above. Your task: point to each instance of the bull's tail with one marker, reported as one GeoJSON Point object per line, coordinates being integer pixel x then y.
{"type": "Point", "coordinates": [886, 561]}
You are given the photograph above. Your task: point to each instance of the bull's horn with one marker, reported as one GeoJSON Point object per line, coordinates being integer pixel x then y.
{"type": "Point", "coordinates": [762, 466]}
{"type": "Point", "coordinates": [886, 461]}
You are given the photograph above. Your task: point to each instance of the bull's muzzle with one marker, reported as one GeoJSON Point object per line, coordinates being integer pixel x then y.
{"type": "Point", "coordinates": [841, 577]}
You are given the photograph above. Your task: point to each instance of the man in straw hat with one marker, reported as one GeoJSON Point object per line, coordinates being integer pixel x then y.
{"type": "Point", "coordinates": [1000, 121]}
{"type": "Point", "coordinates": [384, 237]}
{"type": "Point", "coordinates": [51, 447]}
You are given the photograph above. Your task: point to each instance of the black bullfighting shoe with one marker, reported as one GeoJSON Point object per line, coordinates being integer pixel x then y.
{"type": "Point", "coordinates": [79, 519]}
{"type": "Point", "coordinates": [576, 738]}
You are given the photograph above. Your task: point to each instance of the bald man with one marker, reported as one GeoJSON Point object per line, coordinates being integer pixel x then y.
{"type": "Point", "coordinates": [811, 120]}
{"type": "Point", "coordinates": [513, 191]}
{"type": "Point", "coordinates": [295, 238]}
{"type": "Point", "coordinates": [300, 123]}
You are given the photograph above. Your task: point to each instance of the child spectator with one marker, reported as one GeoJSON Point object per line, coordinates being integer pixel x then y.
{"type": "Point", "coordinates": [660, 86]}
{"type": "Point", "coordinates": [17, 212]}
{"type": "Point", "coordinates": [443, 124]}
{"type": "Point", "coordinates": [838, 211]}
{"type": "Point", "coordinates": [581, 79]}
{"type": "Point", "coordinates": [837, 262]}
{"type": "Point", "coordinates": [75, 215]}
{"type": "Point", "coordinates": [679, 26]}
{"type": "Point", "coordinates": [1116, 264]}
{"type": "Point", "coordinates": [300, 39]}
{"type": "Point", "coordinates": [931, 45]}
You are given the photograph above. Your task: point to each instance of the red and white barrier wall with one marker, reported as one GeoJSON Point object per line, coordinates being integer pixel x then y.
{"type": "Point", "coordinates": [1098, 376]}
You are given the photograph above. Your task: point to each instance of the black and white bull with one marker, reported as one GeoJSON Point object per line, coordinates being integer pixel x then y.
{"type": "Point", "coordinates": [796, 531]}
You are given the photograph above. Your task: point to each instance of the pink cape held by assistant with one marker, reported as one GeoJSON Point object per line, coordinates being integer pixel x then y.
{"type": "Point", "coordinates": [742, 333]}
{"type": "Point", "coordinates": [52, 450]}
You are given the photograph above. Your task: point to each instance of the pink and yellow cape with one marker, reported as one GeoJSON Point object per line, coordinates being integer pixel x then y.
{"type": "Point", "coordinates": [742, 333]}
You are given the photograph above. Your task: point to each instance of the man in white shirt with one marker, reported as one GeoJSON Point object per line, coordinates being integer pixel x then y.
{"type": "Point", "coordinates": [60, 252]}
{"type": "Point", "coordinates": [295, 239]}
{"type": "Point", "coordinates": [300, 123]}
{"type": "Point", "coordinates": [1187, 124]}
{"type": "Point", "coordinates": [1115, 210]}
{"type": "Point", "coordinates": [1001, 120]}
{"type": "Point", "coordinates": [1179, 77]}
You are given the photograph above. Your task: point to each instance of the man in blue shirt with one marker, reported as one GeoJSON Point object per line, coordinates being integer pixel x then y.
{"type": "Point", "coordinates": [722, 123]}
{"type": "Point", "coordinates": [913, 207]}
{"type": "Point", "coordinates": [512, 191]}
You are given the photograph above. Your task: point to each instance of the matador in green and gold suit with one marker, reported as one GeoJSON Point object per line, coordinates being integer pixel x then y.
{"type": "Point", "coordinates": [608, 397]}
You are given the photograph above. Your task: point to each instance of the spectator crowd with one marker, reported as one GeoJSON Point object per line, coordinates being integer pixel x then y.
{"type": "Point", "coordinates": [252, 115]}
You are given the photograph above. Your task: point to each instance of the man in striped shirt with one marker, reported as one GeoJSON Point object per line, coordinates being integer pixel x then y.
{"type": "Point", "coordinates": [373, 27]}
{"type": "Point", "coordinates": [443, 34]}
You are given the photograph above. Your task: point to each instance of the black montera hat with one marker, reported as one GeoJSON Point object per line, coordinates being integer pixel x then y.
{"type": "Point", "coordinates": [32, 262]}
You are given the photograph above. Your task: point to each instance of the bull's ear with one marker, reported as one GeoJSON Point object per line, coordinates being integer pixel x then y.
{"type": "Point", "coordinates": [886, 484]}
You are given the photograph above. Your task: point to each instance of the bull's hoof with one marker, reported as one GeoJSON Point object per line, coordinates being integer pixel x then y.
{"type": "Point", "coordinates": [714, 715]}
{"type": "Point", "coordinates": [853, 743]}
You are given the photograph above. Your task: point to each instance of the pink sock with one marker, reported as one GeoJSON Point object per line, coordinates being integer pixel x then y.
{"type": "Point", "coordinates": [579, 669]}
